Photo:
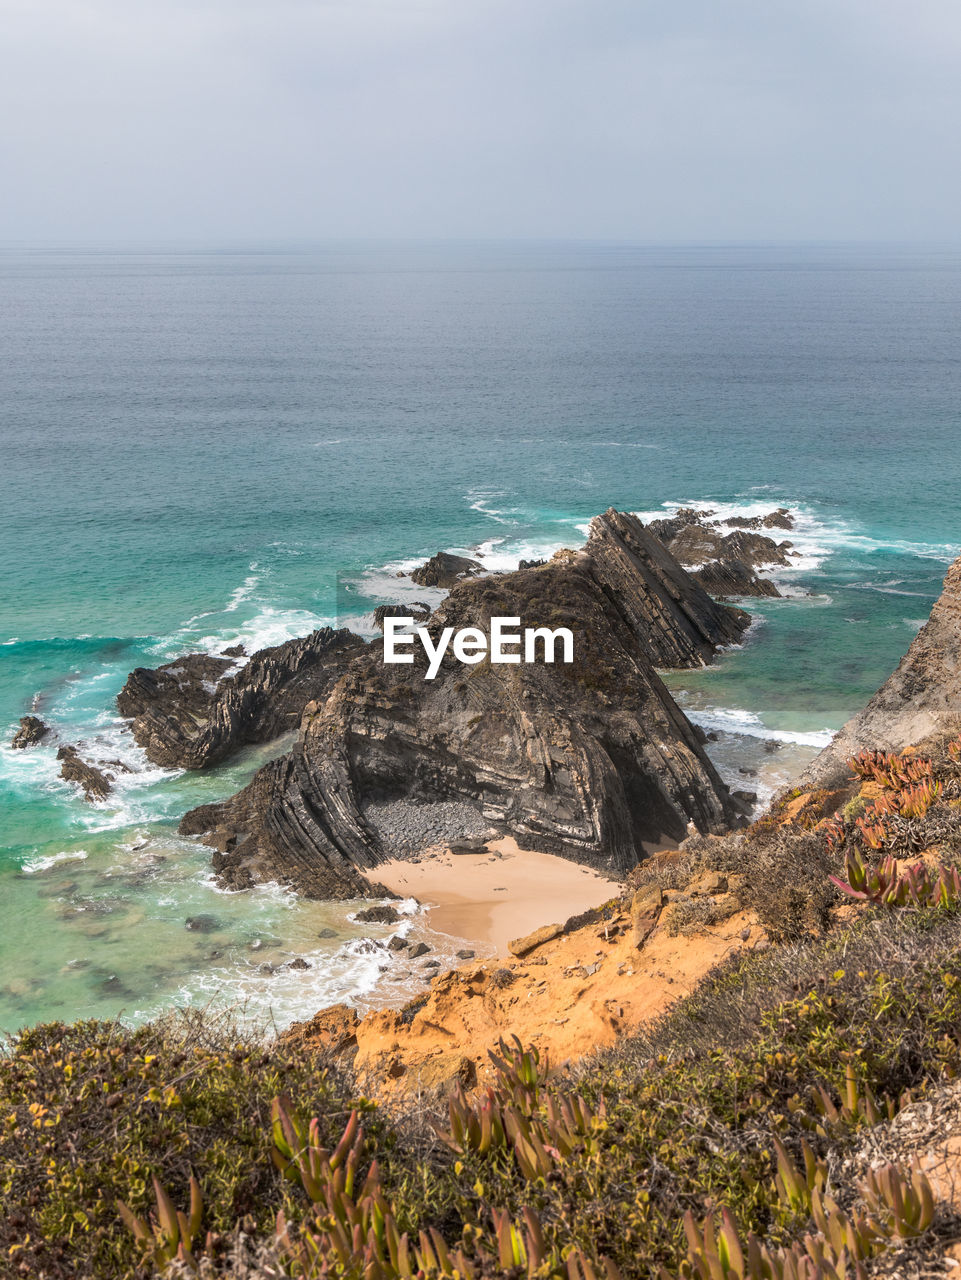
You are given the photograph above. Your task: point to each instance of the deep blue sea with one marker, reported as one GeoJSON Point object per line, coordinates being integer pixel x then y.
{"type": "Point", "coordinates": [209, 444]}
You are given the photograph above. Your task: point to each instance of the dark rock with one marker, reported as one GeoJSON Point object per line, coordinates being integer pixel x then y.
{"type": "Point", "coordinates": [531, 564]}
{"type": "Point", "coordinates": [95, 783]}
{"type": "Point", "coordinates": [397, 943]}
{"type": "Point", "coordinates": [234, 651]}
{"type": "Point", "coordinates": [725, 578]}
{"type": "Point", "coordinates": [748, 773]}
{"type": "Point", "coordinates": [725, 564]}
{"type": "Point", "coordinates": [378, 915]}
{"type": "Point", "coordinates": [445, 570]}
{"type": "Point", "coordinates": [466, 955]}
{"type": "Point", "coordinates": [188, 714]}
{"type": "Point", "coordinates": [592, 760]}
{"type": "Point", "coordinates": [417, 950]}
{"type": "Point", "coordinates": [32, 730]}
{"type": "Point", "coordinates": [299, 963]}
{"type": "Point", "coordinates": [328, 933]}
{"type": "Point", "coordinates": [419, 611]}
{"type": "Point", "coordinates": [203, 924]}
{"type": "Point", "coordinates": [747, 797]}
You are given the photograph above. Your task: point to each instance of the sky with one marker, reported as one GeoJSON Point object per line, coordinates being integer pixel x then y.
{"type": "Point", "coordinates": [673, 120]}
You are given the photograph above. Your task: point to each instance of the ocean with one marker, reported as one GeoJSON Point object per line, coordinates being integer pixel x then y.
{"type": "Point", "coordinates": [210, 444]}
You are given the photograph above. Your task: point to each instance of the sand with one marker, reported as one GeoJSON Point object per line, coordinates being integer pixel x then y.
{"type": "Point", "coordinates": [500, 894]}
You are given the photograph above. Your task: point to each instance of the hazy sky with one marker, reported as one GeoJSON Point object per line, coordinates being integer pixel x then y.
{"type": "Point", "coordinates": [666, 120]}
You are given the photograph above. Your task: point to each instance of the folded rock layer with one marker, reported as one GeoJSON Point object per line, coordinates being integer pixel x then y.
{"type": "Point", "coordinates": [592, 760]}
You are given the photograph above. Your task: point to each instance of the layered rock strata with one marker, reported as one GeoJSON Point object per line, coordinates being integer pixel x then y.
{"type": "Point", "coordinates": [592, 760]}
{"type": "Point", "coordinates": [191, 714]}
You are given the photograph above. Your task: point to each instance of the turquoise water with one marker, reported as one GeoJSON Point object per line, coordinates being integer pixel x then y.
{"type": "Point", "coordinates": [204, 445]}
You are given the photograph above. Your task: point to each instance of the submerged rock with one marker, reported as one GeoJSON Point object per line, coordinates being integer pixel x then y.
{"type": "Point", "coordinates": [190, 714]}
{"type": "Point", "coordinates": [32, 730]}
{"type": "Point", "coordinates": [591, 759]}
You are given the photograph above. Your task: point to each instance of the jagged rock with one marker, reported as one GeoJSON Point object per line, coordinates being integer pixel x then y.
{"type": "Point", "coordinates": [921, 698]}
{"type": "Point", "coordinates": [445, 570]}
{"type": "Point", "coordinates": [592, 760]}
{"type": "Point", "coordinates": [417, 950]}
{"type": "Point", "coordinates": [466, 954]}
{"type": "Point", "coordinates": [32, 730]}
{"type": "Point", "coordinates": [189, 714]}
{"type": "Point", "coordinates": [417, 610]}
{"type": "Point", "coordinates": [234, 651]}
{"type": "Point", "coordinates": [95, 783]}
{"type": "Point", "coordinates": [723, 578]}
{"type": "Point", "coordinates": [378, 915]}
{"type": "Point", "coordinates": [725, 564]}
{"type": "Point", "coordinates": [397, 943]}
{"type": "Point", "coordinates": [531, 564]}
{"type": "Point", "coordinates": [298, 962]}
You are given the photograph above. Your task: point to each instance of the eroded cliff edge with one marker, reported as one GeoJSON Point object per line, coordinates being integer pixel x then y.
{"type": "Point", "coordinates": [593, 760]}
{"type": "Point", "coordinates": [921, 697]}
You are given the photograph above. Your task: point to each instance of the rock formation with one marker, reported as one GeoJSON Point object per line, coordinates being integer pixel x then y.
{"type": "Point", "coordinates": [446, 570]}
{"type": "Point", "coordinates": [190, 714]}
{"type": "Point", "coordinates": [726, 564]}
{"type": "Point", "coordinates": [95, 783]}
{"type": "Point", "coordinates": [592, 760]}
{"type": "Point", "coordinates": [417, 610]}
{"type": "Point", "coordinates": [922, 696]}
{"type": "Point", "coordinates": [32, 730]}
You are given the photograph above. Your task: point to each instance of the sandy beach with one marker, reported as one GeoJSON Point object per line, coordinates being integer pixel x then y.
{"type": "Point", "coordinates": [502, 893]}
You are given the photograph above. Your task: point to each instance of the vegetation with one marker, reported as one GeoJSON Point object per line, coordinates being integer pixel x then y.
{"type": "Point", "coordinates": [722, 1143]}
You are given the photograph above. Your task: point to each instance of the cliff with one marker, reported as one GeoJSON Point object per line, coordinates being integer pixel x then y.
{"type": "Point", "coordinates": [591, 760]}
{"type": "Point", "coordinates": [921, 697]}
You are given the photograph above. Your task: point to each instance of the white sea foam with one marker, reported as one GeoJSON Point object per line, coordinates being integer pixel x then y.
{"type": "Point", "coordinates": [736, 720]}
{"type": "Point", "coordinates": [31, 866]}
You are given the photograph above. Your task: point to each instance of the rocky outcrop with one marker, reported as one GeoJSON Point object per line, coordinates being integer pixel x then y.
{"type": "Point", "coordinates": [591, 759]}
{"type": "Point", "coordinates": [446, 570]}
{"type": "Point", "coordinates": [723, 579]}
{"type": "Point", "coordinates": [190, 714]}
{"type": "Point", "coordinates": [95, 783]}
{"type": "Point", "coordinates": [726, 564]}
{"type": "Point", "coordinates": [417, 610]}
{"type": "Point", "coordinates": [32, 730]}
{"type": "Point", "coordinates": [922, 697]}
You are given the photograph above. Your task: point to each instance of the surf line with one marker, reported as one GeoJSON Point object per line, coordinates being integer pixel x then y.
{"type": "Point", "coordinates": [471, 645]}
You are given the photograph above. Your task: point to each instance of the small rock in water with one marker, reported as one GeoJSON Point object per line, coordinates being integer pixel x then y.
{"type": "Point", "coordinates": [328, 933]}
{"type": "Point", "coordinates": [419, 949]}
{"type": "Point", "coordinates": [299, 963]}
{"type": "Point", "coordinates": [397, 943]}
{"type": "Point", "coordinates": [378, 915]}
{"type": "Point", "coordinates": [203, 924]}
{"type": "Point", "coordinates": [466, 955]}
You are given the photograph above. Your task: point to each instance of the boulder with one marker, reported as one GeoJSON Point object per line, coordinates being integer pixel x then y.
{"type": "Point", "coordinates": [417, 610]}
{"type": "Point", "coordinates": [32, 730]}
{"type": "Point", "coordinates": [446, 570]}
{"type": "Point", "coordinates": [546, 933]}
